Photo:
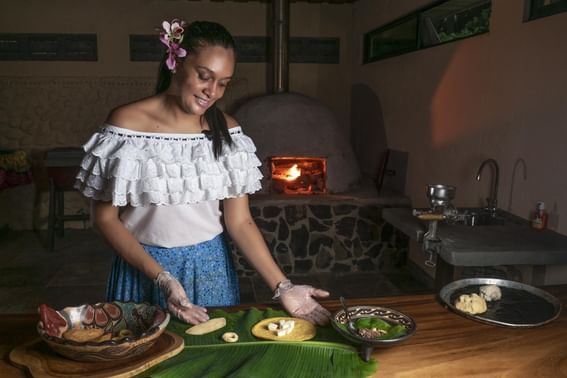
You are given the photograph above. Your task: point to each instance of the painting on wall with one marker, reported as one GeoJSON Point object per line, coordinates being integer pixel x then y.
{"type": "Point", "coordinates": [543, 8]}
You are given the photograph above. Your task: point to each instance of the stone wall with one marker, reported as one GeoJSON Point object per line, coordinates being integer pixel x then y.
{"type": "Point", "coordinates": [339, 237]}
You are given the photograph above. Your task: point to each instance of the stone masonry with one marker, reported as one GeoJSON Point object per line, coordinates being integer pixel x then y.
{"type": "Point", "coordinates": [335, 237]}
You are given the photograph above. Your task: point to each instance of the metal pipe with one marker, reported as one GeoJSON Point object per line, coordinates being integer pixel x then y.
{"type": "Point", "coordinates": [280, 39]}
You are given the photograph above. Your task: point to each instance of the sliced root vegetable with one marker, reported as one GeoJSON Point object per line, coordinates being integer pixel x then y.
{"type": "Point", "coordinates": [230, 337]}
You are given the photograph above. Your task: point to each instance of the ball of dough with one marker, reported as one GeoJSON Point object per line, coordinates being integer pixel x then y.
{"type": "Point", "coordinates": [472, 304]}
{"type": "Point", "coordinates": [230, 337]}
{"type": "Point", "coordinates": [490, 293]}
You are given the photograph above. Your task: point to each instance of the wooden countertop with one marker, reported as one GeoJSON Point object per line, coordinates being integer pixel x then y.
{"type": "Point", "coordinates": [445, 344]}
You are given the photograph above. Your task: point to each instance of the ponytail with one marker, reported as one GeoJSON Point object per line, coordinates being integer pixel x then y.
{"type": "Point", "coordinates": [218, 129]}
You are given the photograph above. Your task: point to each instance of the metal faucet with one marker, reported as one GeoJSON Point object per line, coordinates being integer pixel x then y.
{"type": "Point", "coordinates": [492, 201]}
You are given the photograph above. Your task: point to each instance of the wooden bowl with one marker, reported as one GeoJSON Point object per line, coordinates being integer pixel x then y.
{"type": "Point", "coordinates": [126, 329]}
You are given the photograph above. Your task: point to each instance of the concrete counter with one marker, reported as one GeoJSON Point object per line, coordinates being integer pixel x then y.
{"type": "Point", "coordinates": [511, 244]}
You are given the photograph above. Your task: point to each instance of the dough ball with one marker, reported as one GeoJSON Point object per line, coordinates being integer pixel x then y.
{"type": "Point", "coordinates": [472, 304]}
{"type": "Point", "coordinates": [490, 293]}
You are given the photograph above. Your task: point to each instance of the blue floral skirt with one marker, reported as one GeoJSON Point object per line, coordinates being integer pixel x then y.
{"type": "Point", "coordinates": [205, 270]}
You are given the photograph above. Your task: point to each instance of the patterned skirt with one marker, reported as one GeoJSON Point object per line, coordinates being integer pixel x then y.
{"type": "Point", "coordinates": [205, 270]}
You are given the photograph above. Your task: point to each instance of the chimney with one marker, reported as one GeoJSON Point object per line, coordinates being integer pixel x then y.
{"type": "Point", "coordinates": [280, 44]}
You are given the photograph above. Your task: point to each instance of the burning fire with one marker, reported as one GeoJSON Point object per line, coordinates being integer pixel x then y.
{"type": "Point", "coordinates": [293, 173]}
{"type": "Point", "coordinates": [289, 174]}
{"type": "Point", "coordinates": [298, 175]}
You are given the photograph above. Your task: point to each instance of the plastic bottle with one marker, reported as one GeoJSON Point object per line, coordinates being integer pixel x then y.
{"type": "Point", "coordinates": [539, 220]}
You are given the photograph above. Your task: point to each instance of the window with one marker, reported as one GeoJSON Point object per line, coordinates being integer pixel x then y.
{"type": "Point", "coordinates": [442, 22]}
{"type": "Point", "coordinates": [543, 8]}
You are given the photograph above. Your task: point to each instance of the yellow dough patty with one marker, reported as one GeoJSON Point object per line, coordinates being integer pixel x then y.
{"type": "Point", "coordinates": [303, 330]}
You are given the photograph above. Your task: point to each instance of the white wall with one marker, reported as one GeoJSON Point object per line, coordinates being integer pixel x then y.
{"type": "Point", "coordinates": [498, 95]}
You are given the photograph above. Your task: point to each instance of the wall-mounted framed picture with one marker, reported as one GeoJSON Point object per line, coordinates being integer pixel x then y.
{"type": "Point", "coordinates": [440, 22]}
{"type": "Point", "coordinates": [535, 9]}
{"type": "Point", "coordinates": [396, 38]}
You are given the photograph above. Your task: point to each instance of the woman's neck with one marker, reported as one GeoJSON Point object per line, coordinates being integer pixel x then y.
{"type": "Point", "coordinates": [176, 117]}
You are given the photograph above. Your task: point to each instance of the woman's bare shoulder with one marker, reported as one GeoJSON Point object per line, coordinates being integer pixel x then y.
{"type": "Point", "coordinates": [230, 121]}
{"type": "Point", "coordinates": [135, 115]}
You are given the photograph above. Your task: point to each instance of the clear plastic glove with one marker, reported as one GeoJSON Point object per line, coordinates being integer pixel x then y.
{"type": "Point", "coordinates": [177, 302]}
{"type": "Point", "coordinates": [299, 301]}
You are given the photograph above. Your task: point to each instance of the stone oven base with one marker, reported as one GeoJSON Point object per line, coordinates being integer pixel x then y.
{"type": "Point", "coordinates": [326, 234]}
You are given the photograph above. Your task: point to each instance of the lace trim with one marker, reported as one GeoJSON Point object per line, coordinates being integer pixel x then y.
{"type": "Point", "coordinates": [139, 169]}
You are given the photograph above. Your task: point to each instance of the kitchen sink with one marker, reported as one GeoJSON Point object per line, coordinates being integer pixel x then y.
{"type": "Point", "coordinates": [474, 217]}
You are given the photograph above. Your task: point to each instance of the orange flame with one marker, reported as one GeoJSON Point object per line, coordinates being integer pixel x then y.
{"type": "Point", "coordinates": [292, 173]}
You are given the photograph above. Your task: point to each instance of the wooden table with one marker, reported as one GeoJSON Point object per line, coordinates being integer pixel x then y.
{"type": "Point", "coordinates": [445, 344]}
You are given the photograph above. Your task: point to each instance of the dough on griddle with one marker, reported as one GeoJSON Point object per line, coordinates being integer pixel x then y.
{"type": "Point", "coordinates": [471, 304]}
{"type": "Point", "coordinates": [490, 293]}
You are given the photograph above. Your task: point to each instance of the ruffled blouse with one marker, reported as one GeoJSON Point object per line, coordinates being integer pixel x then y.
{"type": "Point", "coordinates": [139, 168]}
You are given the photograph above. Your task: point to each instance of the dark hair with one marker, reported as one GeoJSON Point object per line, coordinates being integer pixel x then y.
{"type": "Point", "coordinates": [197, 35]}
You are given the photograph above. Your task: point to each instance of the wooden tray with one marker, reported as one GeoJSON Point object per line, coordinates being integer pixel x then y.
{"type": "Point", "coordinates": [42, 362]}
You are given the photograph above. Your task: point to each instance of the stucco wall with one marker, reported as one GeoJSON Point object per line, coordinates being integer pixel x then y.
{"type": "Point", "coordinates": [499, 95]}
{"type": "Point", "coordinates": [51, 104]}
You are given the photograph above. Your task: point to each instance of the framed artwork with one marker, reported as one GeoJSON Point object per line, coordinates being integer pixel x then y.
{"type": "Point", "coordinates": [542, 8]}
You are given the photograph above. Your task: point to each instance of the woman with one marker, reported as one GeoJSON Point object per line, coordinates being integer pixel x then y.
{"type": "Point", "coordinates": [156, 172]}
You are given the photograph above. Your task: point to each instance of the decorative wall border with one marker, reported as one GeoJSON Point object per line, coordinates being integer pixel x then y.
{"type": "Point", "coordinates": [250, 49]}
{"type": "Point", "coordinates": [48, 46]}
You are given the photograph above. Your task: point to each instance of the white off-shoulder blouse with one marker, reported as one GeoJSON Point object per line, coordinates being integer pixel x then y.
{"type": "Point", "coordinates": [169, 184]}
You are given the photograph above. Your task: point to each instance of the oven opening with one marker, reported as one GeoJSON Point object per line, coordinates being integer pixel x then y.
{"type": "Point", "coordinates": [298, 175]}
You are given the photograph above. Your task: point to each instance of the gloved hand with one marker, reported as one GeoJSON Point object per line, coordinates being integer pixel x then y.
{"type": "Point", "coordinates": [177, 302]}
{"type": "Point", "coordinates": [298, 301]}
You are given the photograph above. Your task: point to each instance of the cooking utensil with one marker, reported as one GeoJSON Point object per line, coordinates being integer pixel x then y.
{"type": "Point", "coordinates": [521, 305]}
{"type": "Point", "coordinates": [440, 195]}
{"type": "Point", "coordinates": [350, 324]}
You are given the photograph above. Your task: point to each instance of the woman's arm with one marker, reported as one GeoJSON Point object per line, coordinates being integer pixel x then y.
{"type": "Point", "coordinates": [245, 233]}
{"type": "Point", "coordinates": [107, 221]}
{"type": "Point", "coordinates": [298, 300]}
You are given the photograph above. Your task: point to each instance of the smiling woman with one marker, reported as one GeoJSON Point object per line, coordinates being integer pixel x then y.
{"type": "Point", "coordinates": [156, 172]}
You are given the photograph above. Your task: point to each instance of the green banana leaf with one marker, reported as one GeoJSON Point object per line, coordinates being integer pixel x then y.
{"type": "Point", "coordinates": [327, 355]}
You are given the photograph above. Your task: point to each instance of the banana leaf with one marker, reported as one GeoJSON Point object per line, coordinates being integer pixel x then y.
{"type": "Point", "coordinates": [327, 355]}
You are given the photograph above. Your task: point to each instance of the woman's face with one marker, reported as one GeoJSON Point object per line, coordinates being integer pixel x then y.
{"type": "Point", "coordinates": [203, 77]}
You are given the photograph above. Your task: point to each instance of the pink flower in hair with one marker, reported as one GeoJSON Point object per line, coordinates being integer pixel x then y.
{"type": "Point", "coordinates": [172, 36]}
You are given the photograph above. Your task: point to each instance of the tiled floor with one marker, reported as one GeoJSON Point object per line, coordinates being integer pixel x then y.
{"type": "Point", "coordinates": [75, 273]}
